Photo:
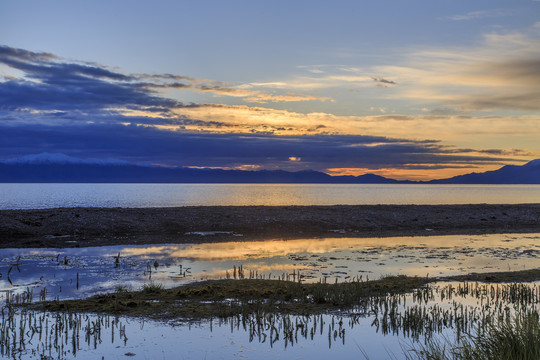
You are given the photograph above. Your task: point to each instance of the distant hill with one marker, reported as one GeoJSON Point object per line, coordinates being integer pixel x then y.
{"type": "Point", "coordinates": [49, 168]}
{"type": "Point", "coordinates": [509, 174]}
{"type": "Point", "coordinates": [60, 168]}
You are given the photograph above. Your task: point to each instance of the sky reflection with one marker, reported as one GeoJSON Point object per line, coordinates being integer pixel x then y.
{"type": "Point", "coordinates": [340, 259]}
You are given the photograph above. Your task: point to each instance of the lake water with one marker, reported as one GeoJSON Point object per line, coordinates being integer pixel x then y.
{"type": "Point", "coordinates": [41, 196]}
{"type": "Point", "coordinates": [389, 328]}
{"type": "Point", "coordinates": [81, 272]}
{"type": "Point", "coordinates": [362, 333]}
{"type": "Point", "coordinates": [86, 271]}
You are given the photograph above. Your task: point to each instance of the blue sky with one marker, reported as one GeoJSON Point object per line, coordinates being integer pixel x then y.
{"type": "Point", "coordinates": [405, 89]}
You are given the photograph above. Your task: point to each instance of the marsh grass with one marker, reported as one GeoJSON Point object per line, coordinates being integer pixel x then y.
{"type": "Point", "coordinates": [383, 298]}
{"type": "Point", "coordinates": [63, 335]}
{"type": "Point", "coordinates": [515, 339]}
{"type": "Point", "coordinates": [223, 298]}
{"type": "Point", "coordinates": [152, 288]}
{"type": "Point", "coordinates": [56, 335]}
{"type": "Point", "coordinates": [499, 314]}
{"type": "Point", "coordinates": [512, 338]}
{"type": "Point", "coordinates": [502, 316]}
{"type": "Point", "coordinates": [121, 289]}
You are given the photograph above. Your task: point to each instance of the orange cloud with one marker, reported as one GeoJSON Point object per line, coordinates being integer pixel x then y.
{"type": "Point", "coordinates": [423, 174]}
{"type": "Point", "coordinates": [257, 96]}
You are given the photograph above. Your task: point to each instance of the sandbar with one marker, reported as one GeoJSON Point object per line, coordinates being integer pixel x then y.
{"type": "Point", "coordinates": [80, 227]}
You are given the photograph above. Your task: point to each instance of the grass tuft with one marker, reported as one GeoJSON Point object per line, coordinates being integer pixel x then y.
{"type": "Point", "coordinates": [122, 289]}
{"type": "Point", "coordinates": [516, 338]}
{"type": "Point", "coordinates": [152, 288]}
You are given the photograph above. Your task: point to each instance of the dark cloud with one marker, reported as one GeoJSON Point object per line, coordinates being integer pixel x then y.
{"type": "Point", "coordinates": [498, 152]}
{"type": "Point", "coordinates": [149, 145]}
{"type": "Point", "coordinates": [383, 81]}
{"type": "Point", "coordinates": [89, 101]}
{"type": "Point", "coordinates": [166, 77]}
{"type": "Point", "coordinates": [84, 95]}
{"type": "Point", "coordinates": [515, 84]}
{"type": "Point", "coordinates": [518, 100]}
{"type": "Point", "coordinates": [43, 66]}
{"type": "Point", "coordinates": [444, 112]}
{"type": "Point", "coordinates": [526, 71]}
{"type": "Point", "coordinates": [50, 84]}
{"type": "Point", "coordinates": [218, 89]}
{"type": "Point", "coordinates": [174, 85]}
{"type": "Point", "coordinates": [7, 52]}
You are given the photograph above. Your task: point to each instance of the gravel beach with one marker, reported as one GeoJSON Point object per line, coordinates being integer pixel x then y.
{"type": "Point", "coordinates": [78, 227]}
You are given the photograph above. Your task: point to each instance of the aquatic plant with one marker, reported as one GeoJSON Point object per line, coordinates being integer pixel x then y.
{"type": "Point", "coordinates": [286, 311]}
{"type": "Point", "coordinates": [152, 287]}
{"type": "Point", "coordinates": [57, 335]}
{"type": "Point", "coordinates": [512, 338]}
{"type": "Point", "coordinates": [121, 288]}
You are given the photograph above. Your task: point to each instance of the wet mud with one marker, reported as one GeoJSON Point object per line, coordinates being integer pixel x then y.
{"type": "Point", "coordinates": [78, 227]}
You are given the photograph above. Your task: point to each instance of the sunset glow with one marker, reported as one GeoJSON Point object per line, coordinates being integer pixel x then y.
{"type": "Point", "coordinates": [435, 92]}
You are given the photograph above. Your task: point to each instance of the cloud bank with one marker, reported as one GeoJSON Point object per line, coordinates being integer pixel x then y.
{"type": "Point", "coordinates": [49, 104]}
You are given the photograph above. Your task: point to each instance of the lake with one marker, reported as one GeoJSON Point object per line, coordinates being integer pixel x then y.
{"type": "Point", "coordinates": [34, 274]}
{"type": "Point", "coordinates": [41, 196]}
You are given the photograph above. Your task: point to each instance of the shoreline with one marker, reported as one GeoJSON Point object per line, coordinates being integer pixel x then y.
{"type": "Point", "coordinates": [82, 227]}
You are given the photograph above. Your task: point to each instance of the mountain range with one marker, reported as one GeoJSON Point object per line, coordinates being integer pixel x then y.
{"type": "Point", "coordinates": [60, 168]}
{"type": "Point", "coordinates": [508, 174]}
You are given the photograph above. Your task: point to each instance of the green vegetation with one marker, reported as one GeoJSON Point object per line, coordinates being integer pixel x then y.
{"type": "Point", "coordinates": [515, 338]}
{"type": "Point", "coordinates": [486, 320]}
{"type": "Point", "coordinates": [121, 289]}
{"type": "Point", "coordinates": [58, 335]}
{"type": "Point", "coordinates": [222, 298]}
{"type": "Point", "coordinates": [152, 288]}
{"type": "Point", "coordinates": [228, 297]}
{"type": "Point", "coordinates": [503, 276]}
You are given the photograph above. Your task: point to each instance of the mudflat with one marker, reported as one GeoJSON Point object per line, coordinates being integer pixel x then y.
{"type": "Point", "coordinates": [78, 227]}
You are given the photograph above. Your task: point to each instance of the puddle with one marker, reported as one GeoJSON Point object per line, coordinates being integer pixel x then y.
{"type": "Point", "coordinates": [81, 272]}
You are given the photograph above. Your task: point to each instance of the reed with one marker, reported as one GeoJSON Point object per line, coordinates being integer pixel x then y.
{"type": "Point", "coordinates": [152, 288]}
{"type": "Point", "coordinates": [480, 316]}
{"type": "Point", "coordinates": [512, 338]}
{"type": "Point", "coordinates": [57, 335]}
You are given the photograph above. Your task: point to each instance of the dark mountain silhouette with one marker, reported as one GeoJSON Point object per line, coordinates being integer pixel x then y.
{"type": "Point", "coordinates": [509, 174]}
{"type": "Point", "coordinates": [61, 168]}
{"type": "Point", "coordinates": [49, 168]}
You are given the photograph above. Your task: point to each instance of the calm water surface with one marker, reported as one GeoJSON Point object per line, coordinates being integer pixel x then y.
{"type": "Point", "coordinates": [40, 196]}
{"type": "Point", "coordinates": [102, 269]}
{"type": "Point", "coordinates": [337, 335]}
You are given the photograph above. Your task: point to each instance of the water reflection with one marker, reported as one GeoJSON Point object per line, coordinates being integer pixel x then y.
{"type": "Point", "coordinates": [78, 272]}
{"type": "Point", "coordinates": [39, 196]}
{"type": "Point", "coordinates": [382, 327]}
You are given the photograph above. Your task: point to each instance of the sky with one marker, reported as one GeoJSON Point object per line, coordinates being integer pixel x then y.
{"type": "Point", "coordinates": [405, 89]}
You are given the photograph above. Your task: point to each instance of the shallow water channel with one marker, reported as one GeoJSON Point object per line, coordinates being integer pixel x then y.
{"type": "Point", "coordinates": [35, 274]}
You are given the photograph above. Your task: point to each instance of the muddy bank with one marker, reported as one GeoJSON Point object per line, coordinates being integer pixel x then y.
{"type": "Point", "coordinates": [70, 227]}
{"type": "Point", "coordinates": [205, 299]}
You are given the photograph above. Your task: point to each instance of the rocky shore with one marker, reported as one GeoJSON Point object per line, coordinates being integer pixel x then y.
{"type": "Point", "coordinates": [78, 227]}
